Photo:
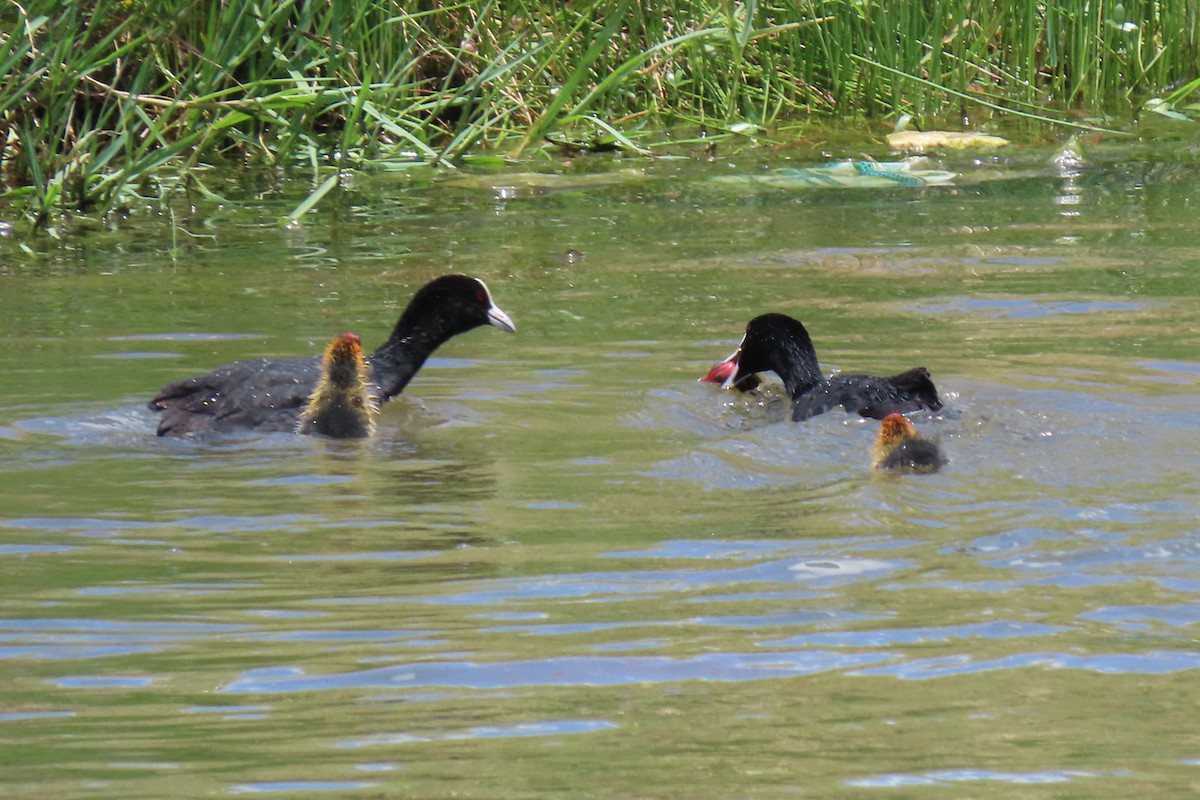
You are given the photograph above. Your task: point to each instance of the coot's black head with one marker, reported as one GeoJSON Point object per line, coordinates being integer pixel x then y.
{"type": "Point", "coordinates": [455, 304]}
{"type": "Point", "coordinates": [776, 343]}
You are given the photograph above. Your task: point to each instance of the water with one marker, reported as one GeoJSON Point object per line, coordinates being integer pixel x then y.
{"type": "Point", "coordinates": [566, 569]}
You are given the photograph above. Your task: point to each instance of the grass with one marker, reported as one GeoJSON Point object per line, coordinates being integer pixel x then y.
{"type": "Point", "coordinates": [116, 104]}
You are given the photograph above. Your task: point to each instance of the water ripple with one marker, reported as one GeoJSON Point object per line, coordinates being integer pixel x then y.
{"type": "Point", "coordinates": [569, 671]}
{"type": "Point", "coordinates": [1159, 662]}
{"type": "Point", "coordinates": [942, 777]}
{"type": "Point", "coordinates": [826, 572]}
{"type": "Point", "coordinates": [523, 729]}
{"type": "Point", "coordinates": [997, 629]}
{"type": "Point", "coordinates": [300, 786]}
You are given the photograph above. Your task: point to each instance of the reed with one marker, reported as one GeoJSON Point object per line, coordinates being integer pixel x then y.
{"type": "Point", "coordinates": [115, 103]}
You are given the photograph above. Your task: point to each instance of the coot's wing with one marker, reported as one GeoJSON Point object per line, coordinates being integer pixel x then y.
{"type": "Point", "coordinates": [869, 396]}
{"type": "Point", "coordinates": [816, 400]}
{"type": "Point", "coordinates": [265, 394]}
{"type": "Point", "coordinates": [865, 395]}
{"type": "Point", "coordinates": [884, 400]}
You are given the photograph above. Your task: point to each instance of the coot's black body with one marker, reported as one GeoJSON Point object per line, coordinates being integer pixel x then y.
{"type": "Point", "coordinates": [777, 343]}
{"type": "Point", "coordinates": [269, 394]}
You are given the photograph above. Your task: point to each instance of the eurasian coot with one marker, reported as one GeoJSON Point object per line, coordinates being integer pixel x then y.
{"type": "Point", "coordinates": [343, 405]}
{"type": "Point", "coordinates": [269, 394]}
{"type": "Point", "coordinates": [778, 343]}
{"type": "Point", "coordinates": [898, 447]}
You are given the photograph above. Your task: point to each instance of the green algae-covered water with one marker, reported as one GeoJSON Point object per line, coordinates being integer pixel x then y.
{"type": "Point", "coordinates": [564, 568]}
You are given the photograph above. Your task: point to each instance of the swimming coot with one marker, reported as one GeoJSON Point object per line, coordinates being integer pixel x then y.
{"type": "Point", "coordinates": [899, 448]}
{"type": "Point", "coordinates": [269, 394]}
{"type": "Point", "coordinates": [343, 405]}
{"type": "Point", "coordinates": [780, 344]}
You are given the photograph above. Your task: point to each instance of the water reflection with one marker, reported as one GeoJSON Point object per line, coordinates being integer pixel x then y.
{"type": "Point", "coordinates": [292, 787]}
{"type": "Point", "coordinates": [568, 671]}
{"type": "Point", "coordinates": [947, 777]}
{"type": "Point", "coordinates": [1154, 663]}
{"type": "Point", "coordinates": [523, 729]}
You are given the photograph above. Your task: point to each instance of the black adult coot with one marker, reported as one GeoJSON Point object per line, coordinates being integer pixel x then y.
{"type": "Point", "coordinates": [269, 394]}
{"type": "Point", "coordinates": [780, 344]}
{"type": "Point", "coordinates": [899, 448]}
{"type": "Point", "coordinates": [343, 405]}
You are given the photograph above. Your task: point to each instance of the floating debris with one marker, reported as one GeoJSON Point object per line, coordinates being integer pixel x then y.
{"type": "Point", "coordinates": [848, 175]}
{"type": "Point", "coordinates": [921, 141]}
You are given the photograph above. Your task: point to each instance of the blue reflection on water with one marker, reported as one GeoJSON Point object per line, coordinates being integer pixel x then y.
{"type": "Point", "coordinates": [33, 549]}
{"type": "Point", "coordinates": [736, 621]}
{"type": "Point", "coordinates": [300, 786]}
{"type": "Point", "coordinates": [997, 629]}
{"type": "Point", "coordinates": [893, 780]}
{"type": "Point", "coordinates": [103, 681]}
{"type": "Point", "coordinates": [523, 729]}
{"type": "Point", "coordinates": [1158, 662]}
{"type": "Point", "coordinates": [382, 555]}
{"type": "Point", "coordinates": [1179, 615]}
{"type": "Point", "coordinates": [747, 548]}
{"type": "Point", "coordinates": [826, 571]}
{"type": "Point", "coordinates": [1024, 308]}
{"type": "Point", "coordinates": [18, 716]}
{"type": "Point", "coordinates": [229, 709]}
{"type": "Point", "coordinates": [155, 629]}
{"type": "Point", "coordinates": [569, 671]}
{"type": "Point", "coordinates": [70, 638]}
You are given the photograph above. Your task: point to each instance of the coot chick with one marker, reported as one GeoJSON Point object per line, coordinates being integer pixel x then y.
{"type": "Point", "coordinates": [780, 344]}
{"type": "Point", "coordinates": [343, 405]}
{"type": "Point", "coordinates": [899, 448]}
{"type": "Point", "coordinates": [269, 394]}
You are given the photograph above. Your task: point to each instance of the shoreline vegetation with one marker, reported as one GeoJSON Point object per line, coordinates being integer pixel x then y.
{"type": "Point", "coordinates": [116, 104]}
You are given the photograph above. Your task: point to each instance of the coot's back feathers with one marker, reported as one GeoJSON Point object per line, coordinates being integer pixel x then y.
{"type": "Point", "coordinates": [780, 344]}
{"type": "Point", "coordinates": [264, 393]}
{"type": "Point", "coordinates": [869, 396]}
{"type": "Point", "coordinates": [268, 394]}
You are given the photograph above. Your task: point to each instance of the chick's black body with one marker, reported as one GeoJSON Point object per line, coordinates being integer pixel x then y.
{"type": "Point", "coordinates": [898, 448]}
{"type": "Point", "coordinates": [343, 406]}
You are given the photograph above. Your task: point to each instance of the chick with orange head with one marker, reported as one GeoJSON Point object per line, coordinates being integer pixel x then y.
{"type": "Point", "coordinates": [344, 404]}
{"type": "Point", "coordinates": [900, 448]}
